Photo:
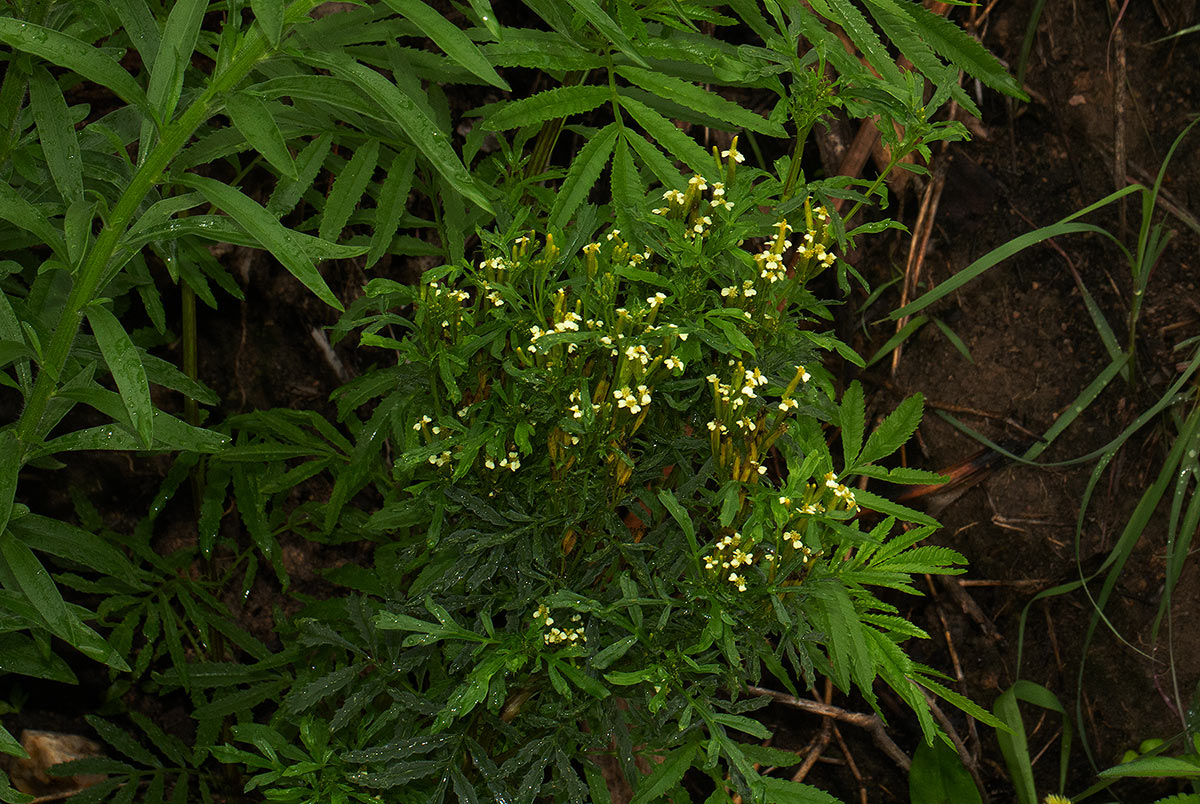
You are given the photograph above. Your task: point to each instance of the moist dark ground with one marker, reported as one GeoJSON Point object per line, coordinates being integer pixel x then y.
{"type": "Point", "coordinates": [1033, 349]}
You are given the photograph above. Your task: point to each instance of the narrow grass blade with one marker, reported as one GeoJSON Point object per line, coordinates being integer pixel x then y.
{"type": "Point", "coordinates": [955, 341]}
{"type": "Point", "coordinates": [268, 231]}
{"type": "Point", "coordinates": [1014, 246]}
{"type": "Point", "coordinates": [66, 51]}
{"type": "Point", "coordinates": [392, 202]}
{"type": "Point", "coordinates": [57, 134]}
{"type": "Point", "coordinates": [673, 140]}
{"type": "Point", "coordinates": [347, 190]}
{"type": "Point", "coordinates": [585, 170]}
{"type": "Point", "coordinates": [453, 42]}
{"type": "Point", "coordinates": [127, 370]}
{"type": "Point", "coordinates": [1081, 402]}
{"type": "Point", "coordinates": [549, 105]}
{"type": "Point", "coordinates": [253, 119]}
{"type": "Point", "coordinates": [421, 130]}
{"type": "Point", "coordinates": [700, 100]}
{"type": "Point", "coordinates": [904, 333]}
{"type": "Point", "coordinates": [269, 15]}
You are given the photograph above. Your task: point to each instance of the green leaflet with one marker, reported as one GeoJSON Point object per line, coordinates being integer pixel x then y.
{"type": "Point", "coordinates": [269, 16]}
{"type": "Point", "coordinates": [670, 138]}
{"type": "Point", "coordinates": [256, 122]}
{"type": "Point", "coordinates": [391, 205]}
{"type": "Point", "coordinates": [57, 134]}
{"type": "Point", "coordinates": [125, 364]}
{"type": "Point", "coordinates": [456, 44]}
{"type": "Point", "coordinates": [956, 46]}
{"type": "Point", "coordinates": [549, 105]}
{"type": "Point", "coordinates": [348, 188]}
{"type": "Point", "coordinates": [700, 100]}
{"type": "Point", "coordinates": [586, 169]}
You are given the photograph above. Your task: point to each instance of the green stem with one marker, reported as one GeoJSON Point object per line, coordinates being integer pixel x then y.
{"type": "Point", "coordinates": [254, 47]}
{"type": "Point", "coordinates": [543, 147]}
{"type": "Point", "coordinates": [789, 184]}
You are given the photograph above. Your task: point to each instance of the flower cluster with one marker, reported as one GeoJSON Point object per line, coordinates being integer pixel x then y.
{"type": "Point", "coordinates": [633, 400]}
{"type": "Point", "coordinates": [573, 635]}
{"type": "Point", "coordinates": [728, 555]}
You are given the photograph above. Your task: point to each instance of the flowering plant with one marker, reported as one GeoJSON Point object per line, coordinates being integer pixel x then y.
{"type": "Point", "coordinates": [614, 494]}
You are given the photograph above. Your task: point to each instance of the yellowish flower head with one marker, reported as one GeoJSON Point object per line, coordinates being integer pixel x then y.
{"type": "Point", "coordinates": [1055, 798]}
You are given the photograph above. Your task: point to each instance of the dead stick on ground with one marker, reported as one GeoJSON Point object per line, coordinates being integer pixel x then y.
{"type": "Point", "coordinates": [919, 245]}
{"type": "Point", "coordinates": [862, 786]}
{"type": "Point", "coordinates": [871, 723]}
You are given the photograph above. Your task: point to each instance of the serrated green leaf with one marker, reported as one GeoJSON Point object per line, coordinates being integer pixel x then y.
{"type": "Point", "coordinates": [453, 42]}
{"type": "Point", "coordinates": [254, 120]}
{"type": "Point", "coordinates": [348, 189]}
{"type": "Point", "coordinates": [125, 364]}
{"type": "Point", "coordinates": [123, 741]}
{"type": "Point", "coordinates": [894, 431]}
{"type": "Point", "coordinates": [667, 774]}
{"type": "Point", "coordinates": [393, 200]}
{"type": "Point", "coordinates": [851, 416]}
{"type": "Point", "coordinates": [959, 48]}
{"type": "Point", "coordinates": [586, 168]}
{"type": "Point", "coordinates": [269, 232]}
{"type": "Point", "coordinates": [287, 193]}
{"type": "Point", "coordinates": [700, 100]}
{"type": "Point", "coordinates": [36, 585]}
{"type": "Point", "coordinates": [541, 50]}
{"type": "Point", "coordinates": [856, 26]}
{"type": "Point", "coordinates": [549, 105]}
{"type": "Point", "coordinates": [66, 51]}
{"type": "Point", "coordinates": [269, 15]}
{"type": "Point", "coordinates": [57, 134]}
{"type": "Point", "coordinates": [785, 791]}
{"type": "Point", "coordinates": [421, 130]}
{"type": "Point", "coordinates": [672, 140]}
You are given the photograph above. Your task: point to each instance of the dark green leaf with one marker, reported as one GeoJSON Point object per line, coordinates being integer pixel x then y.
{"type": "Point", "coordinates": [123, 360]}
{"type": "Point", "coordinates": [56, 130]}
{"type": "Point", "coordinates": [672, 140]}
{"type": "Point", "coordinates": [268, 231]}
{"type": "Point", "coordinates": [66, 51]}
{"type": "Point", "coordinates": [421, 130]}
{"type": "Point", "coordinates": [393, 200]}
{"type": "Point", "coordinates": [894, 431]}
{"type": "Point", "coordinates": [594, 14]}
{"type": "Point", "coordinates": [667, 774]}
{"type": "Point", "coordinates": [586, 168]}
{"type": "Point", "coordinates": [549, 105]}
{"type": "Point", "coordinates": [347, 190]}
{"type": "Point", "coordinates": [937, 776]}
{"type": "Point", "coordinates": [174, 56]}
{"type": "Point", "coordinates": [254, 119]}
{"type": "Point", "coordinates": [269, 15]}
{"type": "Point", "coordinates": [121, 740]}
{"type": "Point", "coordinates": [852, 417]}
{"type": "Point", "coordinates": [700, 100]}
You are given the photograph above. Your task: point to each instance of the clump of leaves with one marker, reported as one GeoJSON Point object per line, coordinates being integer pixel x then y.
{"type": "Point", "coordinates": [613, 504]}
